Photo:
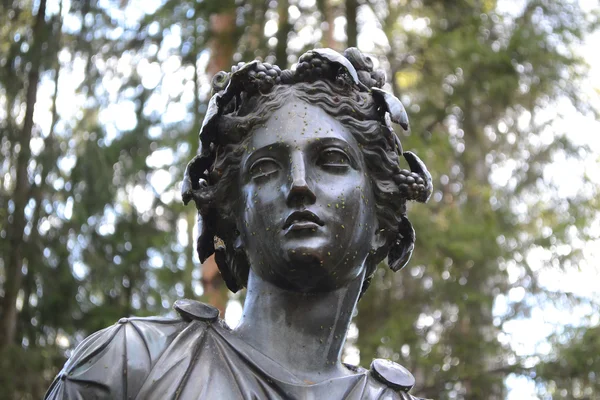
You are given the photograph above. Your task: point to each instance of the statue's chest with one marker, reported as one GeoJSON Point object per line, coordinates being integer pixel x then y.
{"type": "Point", "coordinates": [201, 363]}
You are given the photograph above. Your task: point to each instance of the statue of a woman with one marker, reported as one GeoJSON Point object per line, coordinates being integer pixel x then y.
{"type": "Point", "coordinates": [300, 194]}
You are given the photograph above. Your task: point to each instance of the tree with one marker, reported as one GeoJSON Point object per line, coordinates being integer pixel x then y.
{"type": "Point", "coordinates": [16, 227]}
{"type": "Point", "coordinates": [571, 371]}
{"type": "Point", "coordinates": [470, 76]}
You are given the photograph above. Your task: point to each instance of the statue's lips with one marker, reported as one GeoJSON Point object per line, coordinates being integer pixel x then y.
{"type": "Point", "coordinates": [301, 225]}
{"type": "Point", "coordinates": [300, 220]}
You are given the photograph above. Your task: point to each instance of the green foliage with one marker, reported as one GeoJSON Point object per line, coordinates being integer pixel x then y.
{"type": "Point", "coordinates": [34, 367]}
{"type": "Point", "coordinates": [468, 73]}
{"type": "Point", "coordinates": [571, 372]}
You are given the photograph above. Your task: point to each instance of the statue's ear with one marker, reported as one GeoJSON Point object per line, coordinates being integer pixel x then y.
{"type": "Point", "coordinates": [402, 247]}
{"type": "Point", "coordinates": [398, 252]}
{"type": "Point", "coordinates": [379, 248]}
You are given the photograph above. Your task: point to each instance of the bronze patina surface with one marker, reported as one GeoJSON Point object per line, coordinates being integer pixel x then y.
{"type": "Point", "coordinates": [301, 193]}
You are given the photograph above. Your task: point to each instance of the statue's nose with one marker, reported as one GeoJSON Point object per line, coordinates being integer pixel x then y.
{"type": "Point", "coordinates": [299, 192]}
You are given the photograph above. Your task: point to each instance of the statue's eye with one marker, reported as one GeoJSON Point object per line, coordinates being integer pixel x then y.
{"type": "Point", "coordinates": [263, 167]}
{"type": "Point", "coordinates": [334, 158]}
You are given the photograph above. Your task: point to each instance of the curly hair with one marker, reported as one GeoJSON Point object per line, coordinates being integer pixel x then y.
{"type": "Point", "coordinates": [214, 176]}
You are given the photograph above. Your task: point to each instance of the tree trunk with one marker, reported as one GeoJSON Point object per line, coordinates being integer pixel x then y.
{"type": "Point", "coordinates": [351, 23]}
{"type": "Point", "coordinates": [14, 276]}
{"type": "Point", "coordinates": [282, 33]}
{"type": "Point", "coordinates": [188, 288]}
{"type": "Point", "coordinates": [328, 14]}
{"type": "Point", "coordinates": [222, 44]}
{"type": "Point", "coordinates": [222, 47]}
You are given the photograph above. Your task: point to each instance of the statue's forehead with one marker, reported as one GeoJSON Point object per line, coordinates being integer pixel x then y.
{"type": "Point", "coordinates": [297, 122]}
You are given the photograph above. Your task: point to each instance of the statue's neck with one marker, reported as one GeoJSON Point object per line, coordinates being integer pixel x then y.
{"type": "Point", "coordinates": [304, 332]}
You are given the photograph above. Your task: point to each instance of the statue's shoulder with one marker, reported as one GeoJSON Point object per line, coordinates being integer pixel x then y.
{"type": "Point", "coordinates": [393, 376]}
{"type": "Point", "coordinates": [114, 362]}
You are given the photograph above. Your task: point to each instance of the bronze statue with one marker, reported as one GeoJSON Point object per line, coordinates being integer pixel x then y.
{"type": "Point", "coordinates": [300, 195]}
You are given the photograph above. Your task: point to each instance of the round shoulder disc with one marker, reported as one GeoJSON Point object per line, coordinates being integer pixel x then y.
{"type": "Point", "coordinates": [192, 309]}
{"type": "Point", "coordinates": [392, 374]}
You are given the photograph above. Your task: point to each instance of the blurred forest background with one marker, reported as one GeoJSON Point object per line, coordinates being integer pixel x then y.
{"type": "Point", "coordinates": [100, 107]}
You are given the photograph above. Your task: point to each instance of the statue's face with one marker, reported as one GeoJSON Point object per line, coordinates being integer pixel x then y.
{"type": "Point", "coordinates": [307, 212]}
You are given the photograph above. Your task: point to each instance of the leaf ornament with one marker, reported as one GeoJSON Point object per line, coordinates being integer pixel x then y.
{"type": "Point", "coordinates": [208, 131]}
{"type": "Point", "coordinates": [417, 166]}
{"type": "Point", "coordinates": [392, 105]}
{"type": "Point", "coordinates": [392, 139]}
{"type": "Point", "coordinates": [336, 58]}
